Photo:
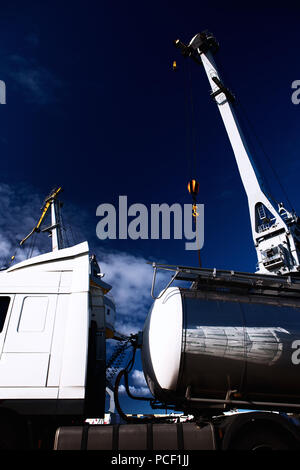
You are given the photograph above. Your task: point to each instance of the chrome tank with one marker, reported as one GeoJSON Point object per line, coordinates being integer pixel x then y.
{"type": "Point", "coordinates": [218, 346]}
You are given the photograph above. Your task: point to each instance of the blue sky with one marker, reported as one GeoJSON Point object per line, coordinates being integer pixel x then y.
{"type": "Point", "coordinates": [94, 105]}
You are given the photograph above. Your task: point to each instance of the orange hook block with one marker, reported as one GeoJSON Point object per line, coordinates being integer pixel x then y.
{"type": "Point", "coordinates": [193, 187]}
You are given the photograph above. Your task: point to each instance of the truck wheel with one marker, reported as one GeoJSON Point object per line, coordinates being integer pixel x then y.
{"type": "Point", "coordinates": [13, 434]}
{"type": "Point", "coordinates": [262, 438]}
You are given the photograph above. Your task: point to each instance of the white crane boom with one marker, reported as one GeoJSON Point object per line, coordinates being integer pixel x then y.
{"type": "Point", "coordinates": [276, 232]}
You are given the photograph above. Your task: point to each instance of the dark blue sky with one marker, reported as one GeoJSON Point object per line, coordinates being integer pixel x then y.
{"type": "Point", "coordinates": [94, 105]}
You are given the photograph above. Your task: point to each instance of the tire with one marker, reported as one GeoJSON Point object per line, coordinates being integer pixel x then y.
{"type": "Point", "coordinates": [262, 438]}
{"type": "Point", "coordinates": [13, 433]}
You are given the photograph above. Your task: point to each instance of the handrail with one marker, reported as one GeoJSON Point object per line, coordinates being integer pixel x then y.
{"type": "Point", "coordinates": [168, 285]}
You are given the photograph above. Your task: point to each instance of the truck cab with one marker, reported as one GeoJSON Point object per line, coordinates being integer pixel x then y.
{"type": "Point", "coordinates": [54, 318]}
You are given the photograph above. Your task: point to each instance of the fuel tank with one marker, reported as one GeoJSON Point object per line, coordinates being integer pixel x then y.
{"type": "Point", "coordinates": [210, 348]}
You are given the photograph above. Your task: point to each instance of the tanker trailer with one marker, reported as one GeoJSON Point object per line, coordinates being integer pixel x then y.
{"type": "Point", "coordinates": [226, 351]}
{"type": "Point", "coordinates": [223, 342]}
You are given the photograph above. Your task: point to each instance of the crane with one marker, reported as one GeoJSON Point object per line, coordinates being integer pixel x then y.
{"type": "Point", "coordinates": [275, 230]}
{"type": "Point", "coordinates": [55, 230]}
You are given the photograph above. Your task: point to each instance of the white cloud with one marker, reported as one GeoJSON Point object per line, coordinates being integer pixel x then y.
{"type": "Point", "coordinates": [139, 392]}
{"type": "Point", "coordinates": [5, 245]}
{"type": "Point", "coordinates": [139, 378]}
{"type": "Point", "coordinates": [17, 207]}
{"type": "Point", "coordinates": [37, 82]}
{"type": "Point", "coordinates": [131, 278]}
{"type": "Point", "coordinates": [129, 325]}
{"type": "Point", "coordinates": [139, 385]}
{"type": "Point", "coordinates": [122, 389]}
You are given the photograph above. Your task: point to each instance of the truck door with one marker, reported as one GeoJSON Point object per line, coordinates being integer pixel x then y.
{"type": "Point", "coordinates": [26, 350]}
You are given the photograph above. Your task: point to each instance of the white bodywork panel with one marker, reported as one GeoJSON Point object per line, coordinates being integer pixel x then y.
{"type": "Point", "coordinates": [44, 340]}
{"type": "Point", "coordinates": [165, 337]}
{"type": "Point", "coordinates": [31, 324]}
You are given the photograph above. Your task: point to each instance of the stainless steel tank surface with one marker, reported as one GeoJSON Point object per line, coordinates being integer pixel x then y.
{"type": "Point", "coordinates": [218, 344]}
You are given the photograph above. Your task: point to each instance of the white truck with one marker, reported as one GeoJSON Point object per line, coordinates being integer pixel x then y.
{"type": "Point", "coordinates": [55, 318]}
{"type": "Point", "coordinates": [227, 342]}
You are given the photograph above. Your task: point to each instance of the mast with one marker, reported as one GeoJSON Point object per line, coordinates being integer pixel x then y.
{"type": "Point", "coordinates": [56, 225]}
{"type": "Point", "coordinates": [275, 231]}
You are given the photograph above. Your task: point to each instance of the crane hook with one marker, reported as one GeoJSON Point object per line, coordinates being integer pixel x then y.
{"type": "Point", "coordinates": [193, 188]}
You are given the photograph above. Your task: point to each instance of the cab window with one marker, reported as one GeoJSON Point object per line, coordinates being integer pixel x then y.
{"type": "Point", "coordinates": [4, 304]}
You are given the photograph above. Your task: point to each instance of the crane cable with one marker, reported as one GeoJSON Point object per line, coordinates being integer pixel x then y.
{"type": "Point", "coordinates": [240, 109]}
{"type": "Point", "coordinates": [244, 114]}
{"type": "Point", "coordinates": [190, 120]}
{"type": "Point", "coordinates": [193, 185]}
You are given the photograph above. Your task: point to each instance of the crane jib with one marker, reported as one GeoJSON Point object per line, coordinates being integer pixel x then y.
{"type": "Point", "coordinates": [275, 230]}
